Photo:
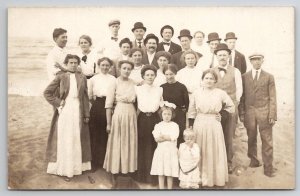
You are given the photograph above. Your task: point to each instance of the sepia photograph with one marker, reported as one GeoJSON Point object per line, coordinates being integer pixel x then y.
{"type": "Point", "coordinates": [151, 98]}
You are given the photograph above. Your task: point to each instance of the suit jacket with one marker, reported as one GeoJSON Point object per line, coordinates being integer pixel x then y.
{"type": "Point", "coordinates": [135, 45]}
{"type": "Point", "coordinates": [174, 48]}
{"type": "Point", "coordinates": [145, 60]}
{"type": "Point", "coordinates": [57, 91]}
{"type": "Point", "coordinates": [176, 59]}
{"type": "Point", "coordinates": [240, 62]}
{"type": "Point", "coordinates": [258, 102]}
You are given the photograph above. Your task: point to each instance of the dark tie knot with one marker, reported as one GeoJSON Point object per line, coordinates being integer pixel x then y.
{"type": "Point", "coordinates": [84, 58]}
{"type": "Point", "coordinates": [114, 38]}
{"type": "Point", "coordinates": [165, 43]}
{"type": "Point", "coordinates": [222, 69]}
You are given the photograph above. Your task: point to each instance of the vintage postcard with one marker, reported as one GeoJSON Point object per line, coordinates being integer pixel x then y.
{"type": "Point", "coordinates": [151, 98]}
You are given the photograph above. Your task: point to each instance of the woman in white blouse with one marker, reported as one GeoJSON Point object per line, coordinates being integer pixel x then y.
{"type": "Point", "coordinates": [163, 59]}
{"type": "Point", "coordinates": [99, 87]}
{"type": "Point", "coordinates": [149, 97]}
{"type": "Point", "coordinates": [136, 55]}
{"type": "Point", "coordinates": [87, 55]}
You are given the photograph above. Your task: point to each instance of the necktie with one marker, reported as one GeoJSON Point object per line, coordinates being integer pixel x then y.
{"type": "Point", "coordinates": [165, 43]}
{"type": "Point", "coordinates": [255, 78]}
{"type": "Point", "coordinates": [222, 71]}
{"type": "Point", "coordinates": [114, 38]}
{"type": "Point", "coordinates": [140, 44]}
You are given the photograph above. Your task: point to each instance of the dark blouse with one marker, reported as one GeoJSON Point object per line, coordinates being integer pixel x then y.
{"type": "Point", "coordinates": [176, 93]}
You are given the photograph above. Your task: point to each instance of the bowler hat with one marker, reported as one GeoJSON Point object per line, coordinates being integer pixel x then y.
{"type": "Point", "coordinates": [113, 22]}
{"type": "Point", "coordinates": [163, 53]}
{"type": "Point", "coordinates": [212, 37]}
{"type": "Point", "coordinates": [256, 55]}
{"type": "Point", "coordinates": [138, 25]}
{"type": "Point", "coordinates": [185, 33]}
{"type": "Point", "coordinates": [222, 46]}
{"type": "Point", "coordinates": [230, 35]}
{"type": "Point", "coordinates": [150, 36]}
{"type": "Point", "coordinates": [166, 27]}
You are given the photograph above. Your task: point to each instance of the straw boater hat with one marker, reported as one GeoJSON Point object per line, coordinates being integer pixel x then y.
{"type": "Point", "coordinates": [212, 37]}
{"type": "Point", "coordinates": [230, 35]}
{"type": "Point", "coordinates": [138, 25]}
{"type": "Point", "coordinates": [222, 46]}
{"type": "Point", "coordinates": [113, 22]}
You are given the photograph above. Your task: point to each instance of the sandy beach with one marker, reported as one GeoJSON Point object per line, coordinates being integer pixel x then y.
{"type": "Point", "coordinates": [28, 127]}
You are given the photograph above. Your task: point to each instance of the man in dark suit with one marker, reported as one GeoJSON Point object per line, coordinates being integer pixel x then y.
{"type": "Point", "coordinates": [236, 59]}
{"type": "Point", "coordinates": [167, 45]}
{"type": "Point", "coordinates": [150, 43]}
{"type": "Point", "coordinates": [259, 108]}
{"type": "Point", "coordinates": [139, 31]}
{"type": "Point", "coordinates": [229, 80]}
{"type": "Point", "coordinates": [185, 41]}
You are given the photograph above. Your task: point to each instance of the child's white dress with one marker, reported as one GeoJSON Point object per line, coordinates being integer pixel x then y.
{"type": "Point", "coordinates": [165, 158]}
{"type": "Point", "coordinates": [189, 173]}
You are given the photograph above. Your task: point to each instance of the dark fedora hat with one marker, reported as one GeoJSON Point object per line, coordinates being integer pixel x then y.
{"type": "Point", "coordinates": [230, 35]}
{"type": "Point", "coordinates": [185, 33]}
{"type": "Point", "coordinates": [166, 27]}
{"type": "Point", "coordinates": [150, 36]}
{"type": "Point", "coordinates": [212, 37]}
{"type": "Point", "coordinates": [222, 46]}
{"type": "Point", "coordinates": [138, 25]}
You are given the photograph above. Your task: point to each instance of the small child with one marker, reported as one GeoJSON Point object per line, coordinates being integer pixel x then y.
{"type": "Point", "coordinates": [189, 157]}
{"type": "Point", "coordinates": [165, 158]}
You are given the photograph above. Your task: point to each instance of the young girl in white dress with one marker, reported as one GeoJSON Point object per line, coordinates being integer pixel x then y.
{"type": "Point", "coordinates": [165, 158]}
{"type": "Point", "coordinates": [189, 157]}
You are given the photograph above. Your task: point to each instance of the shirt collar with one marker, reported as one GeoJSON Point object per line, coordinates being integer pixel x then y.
{"type": "Point", "coordinates": [254, 70]}
{"type": "Point", "coordinates": [59, 48]}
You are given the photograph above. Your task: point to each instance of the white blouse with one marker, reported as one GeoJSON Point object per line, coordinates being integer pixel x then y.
{"type": "Point", "coordinates": [148, 97]}
{"type": "Point", "coordinates": [160, 79]}
{"type": "Point", "coordinates": [136, 75]}
{"type": "Point", "coordinates": [190, 77]}
{"type": "Point", "coordinates": [88, 66]}
{"type": "Point", "coordinates": [100, 85]}
{"type": "Point", "coordinates": [170, 129]}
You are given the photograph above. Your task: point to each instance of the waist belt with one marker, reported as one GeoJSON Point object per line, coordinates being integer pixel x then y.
{"type": "Point", "coordinates": [188, 170]}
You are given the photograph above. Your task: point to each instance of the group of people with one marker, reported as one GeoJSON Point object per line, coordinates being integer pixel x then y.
{"type": "Point", "coordinates": [146, 108]}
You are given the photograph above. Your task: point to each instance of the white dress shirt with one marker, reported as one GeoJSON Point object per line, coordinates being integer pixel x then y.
{"type": "Point", "coordinates": [100, 85]}
{"type": "Point", "coordinates": [254, 72]}
{"type": "Point", "coordinates": [56, 55]}
{"type": "Point", "coordinates": [150, 57]}
{"type": "Point", "coordinates": [232, 57]}
{"type": "Point", "coordinates": [109, 48]}
{"type": "Point", "coordinates": [166, 47]}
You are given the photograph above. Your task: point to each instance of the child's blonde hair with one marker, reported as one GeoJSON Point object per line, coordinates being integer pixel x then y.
{"type": "Point", "coordinates": [189, 133]}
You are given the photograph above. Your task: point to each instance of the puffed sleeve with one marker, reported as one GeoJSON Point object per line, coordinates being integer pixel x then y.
{"type": "Point", "coordinates": [156, 132]}
{"type": "Point", "coordinates": [175, 132]}
{"type": "Point", "coordinates": [111, 94]}
{"type": "Point", "coordinates": [227, 102]}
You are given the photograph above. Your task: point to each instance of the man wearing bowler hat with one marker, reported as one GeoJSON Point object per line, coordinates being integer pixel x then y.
{"type": "Point", "coordinates": [149, 58]}
{"type": "Point", "coordinates": [258, 110]}
{"type": "Point", "coordinates": [210, 60]}
{"type": "Point", "coordinates": [139, 31]}
{"type": "Point", "coordinates": [236, 58]}
{"type": "Point", "coordinates": [185, 41]}
{"type": "Point", "coordinates": [229, 80]}
{"type": "Point", "coordinates": [167, 45]}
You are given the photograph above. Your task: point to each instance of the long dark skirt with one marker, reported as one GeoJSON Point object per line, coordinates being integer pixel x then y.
{"type": "Point", "coordinates": [98, 132]}
{"type": "Point", "coordinates": [146, 147]}
{"type": "Point", "coordinates": [180, 119]}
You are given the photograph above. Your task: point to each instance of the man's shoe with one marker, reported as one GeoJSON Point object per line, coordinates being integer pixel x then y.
{"type": "Point", "coordinates": [254, 164]}
{"type": "Point", "coordinates": [270, 173]}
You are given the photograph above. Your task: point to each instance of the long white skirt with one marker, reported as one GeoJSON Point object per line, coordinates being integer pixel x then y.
{"type": "Point", "coordinates": [69, 154]}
